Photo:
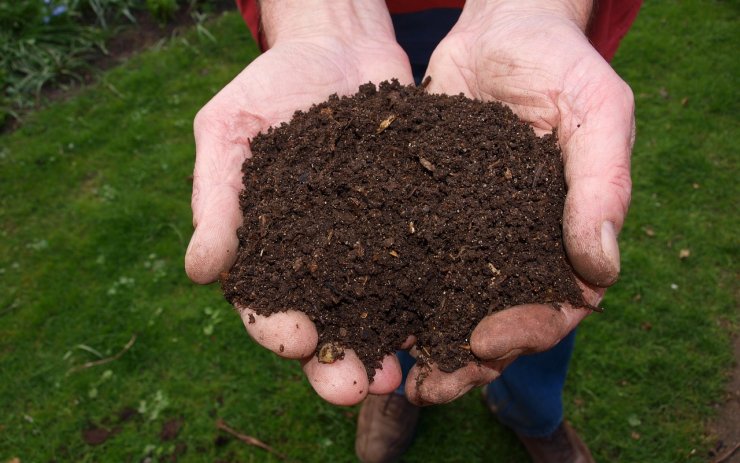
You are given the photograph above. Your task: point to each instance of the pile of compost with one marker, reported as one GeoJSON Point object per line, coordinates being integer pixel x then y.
{"type": "Point", "coordinates": [395, 212]}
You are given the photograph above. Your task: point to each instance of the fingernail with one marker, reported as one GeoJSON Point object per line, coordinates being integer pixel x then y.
{"type": "Point", "coordinates": [609, 247]}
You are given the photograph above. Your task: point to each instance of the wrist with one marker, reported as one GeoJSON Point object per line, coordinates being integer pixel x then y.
{"type": "Point", "coordinates": [477, 12]}
{"type": "Point", "coordinates": [284, 21]}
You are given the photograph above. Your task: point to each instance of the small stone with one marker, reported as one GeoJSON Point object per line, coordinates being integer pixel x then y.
{"type": "Point", "coordinates": [330, 353]}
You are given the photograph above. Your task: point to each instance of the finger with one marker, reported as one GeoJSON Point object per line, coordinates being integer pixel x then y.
{"type": "Point", "coordinates": [214, 243]}
{"type": "Point", "coordinates": [429, 385]}
{"type": "Point", "coordinates": [289, 334]}
{"type": "Point", "coordinates": [409, 342]}
{"type": "Point", "coordinates": [523, 329]}
{"type": "Point", "coordinates": [221, 146]}
{"type": "Point", "coordinates": [388, 377]}
{"type": "Point", "coordinates": [597, 143]}
{"type": "Point", "coordinates": [343, 382]}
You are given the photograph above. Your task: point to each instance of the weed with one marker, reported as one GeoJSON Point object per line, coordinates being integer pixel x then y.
{"type": "Point", "coordinates": [162, 10]}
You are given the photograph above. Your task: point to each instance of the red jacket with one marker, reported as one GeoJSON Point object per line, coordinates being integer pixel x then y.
{"type": "Point", "coordinates": [612, 19]}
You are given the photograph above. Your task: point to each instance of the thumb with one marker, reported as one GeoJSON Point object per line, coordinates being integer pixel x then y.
{"type": "Point", "coordinates": [597, 170]}
{"type": "Point", "coordinates": [214, 243]}
{"type": "Point", "coordinates": [220, 150]}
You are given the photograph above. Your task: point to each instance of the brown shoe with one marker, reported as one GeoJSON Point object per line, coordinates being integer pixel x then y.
{"type": "Point", "coordinates": [562, 446]}
{"type": "Point", "coordinates": [385, 428]}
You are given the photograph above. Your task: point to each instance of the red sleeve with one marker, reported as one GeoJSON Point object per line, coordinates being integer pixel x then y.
{"type": "Point", "coordinates": [610, 22]}
{"type": "Point", "coordinates": [611, 19]}
{"type": "Point", "coordinates": [250, 11]}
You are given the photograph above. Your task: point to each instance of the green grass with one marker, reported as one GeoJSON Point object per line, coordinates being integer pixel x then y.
{"type": "Point", "coordinates": [94, 220]}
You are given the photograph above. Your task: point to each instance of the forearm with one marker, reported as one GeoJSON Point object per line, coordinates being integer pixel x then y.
{"type": "Point", "coordinates": [476, 12]}
{"type": "Point", "coordinates": [284, 20]}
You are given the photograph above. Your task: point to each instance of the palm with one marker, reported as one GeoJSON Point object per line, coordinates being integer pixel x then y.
{"type": "Point", "coordinates": [291, 76]}
{"type": "Point", "coordinates": [545, 70]}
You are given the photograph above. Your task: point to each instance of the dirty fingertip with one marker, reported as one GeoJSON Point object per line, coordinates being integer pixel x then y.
{"type": "Point", "coordinates": [342, 382]}
{"type": "Point", "coordinates": [290, 334]}
{"type": "Point", "coordinates": [209, 253]}
{"type": "Point", "coordinates": [388, 377]}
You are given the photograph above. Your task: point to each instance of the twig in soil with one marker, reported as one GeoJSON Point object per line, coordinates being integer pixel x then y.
{"type": "Point", "coordinates": [95, 363]}
{"type": "Point", "coordinates": [536, 175]}
{"type": "Point", "coordinates": [338, 292]}
{"type": "Point", "coordinates": [726, 456]}
{"type": "Point", "coordinates": [425, 83]}
{"type": "Point", "coordinates": [249, 440]}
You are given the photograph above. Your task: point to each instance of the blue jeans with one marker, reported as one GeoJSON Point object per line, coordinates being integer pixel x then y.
{"type": "Point", "coordinates": [528, 395]}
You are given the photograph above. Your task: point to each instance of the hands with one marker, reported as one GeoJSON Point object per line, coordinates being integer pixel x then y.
{"type": "Point", "coordinates": [534, 57]}
{"type": "Point", "coordinates": [316, 50]}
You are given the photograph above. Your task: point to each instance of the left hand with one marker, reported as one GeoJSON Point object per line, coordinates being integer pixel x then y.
{"type": "Point", "coordinates": [533, 56]}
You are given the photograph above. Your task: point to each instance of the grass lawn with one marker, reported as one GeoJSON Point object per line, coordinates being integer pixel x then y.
{"type": "Point", "coordinates": [94, 220]}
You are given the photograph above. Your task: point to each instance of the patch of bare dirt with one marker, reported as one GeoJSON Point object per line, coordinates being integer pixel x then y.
{"type": "Point", "coordinates": [725, 429]}
{"type": "Point", "coordinates": [131, 39]}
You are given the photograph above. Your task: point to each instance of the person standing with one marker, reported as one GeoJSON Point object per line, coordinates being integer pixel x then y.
{"type": "Point", "coordinates": [548, 61]}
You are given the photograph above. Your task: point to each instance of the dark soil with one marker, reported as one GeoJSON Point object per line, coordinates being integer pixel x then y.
{"type": "Point", "coordinates": [170, 429]}
{"type": "Point", "coordinates": [394, 212]}
{"type": "Point", "coordinates": [97, 435]}
{"type": "Point", "coordinates": [724, 430]}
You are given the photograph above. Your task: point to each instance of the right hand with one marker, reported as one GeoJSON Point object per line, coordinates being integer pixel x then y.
{"type": "Point", "coordinates": [315, 50]}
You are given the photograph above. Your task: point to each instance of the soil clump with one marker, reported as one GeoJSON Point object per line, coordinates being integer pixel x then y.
{"type": "Point", "coordinates": [396, 212]}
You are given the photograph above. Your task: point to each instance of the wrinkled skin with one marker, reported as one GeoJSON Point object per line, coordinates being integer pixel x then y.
{"type": "Point", "coordinates": [559, 83]}
{"type": "Point", "coordinates": [544, 68]}
{"type": "Point", "coordinates": [291, 75]}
